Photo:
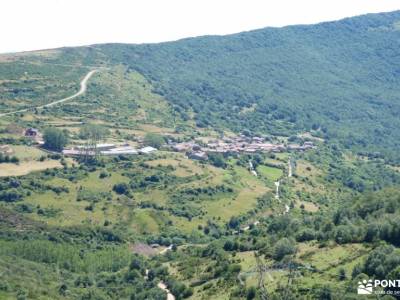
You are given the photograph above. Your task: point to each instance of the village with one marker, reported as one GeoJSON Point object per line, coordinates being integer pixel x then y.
{"type": "Point", "coordinates": [194, 149]}
{"type": "Point", "coordinates": [197, 151]}
{"type": "Point", "coordinates": [237, 144]}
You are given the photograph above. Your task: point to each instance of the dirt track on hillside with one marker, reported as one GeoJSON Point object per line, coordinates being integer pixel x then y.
{"type": "Point", "coordinates": [81, 91]}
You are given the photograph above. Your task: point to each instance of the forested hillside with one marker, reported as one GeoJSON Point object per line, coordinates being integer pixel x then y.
{"type": "Point", "coordinates": [341, 78]}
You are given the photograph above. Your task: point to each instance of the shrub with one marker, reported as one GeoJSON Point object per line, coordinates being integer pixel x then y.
{"type": "Point", "coordinates": [282, 248]}
{"type": "Point", "coordinates": [121, 188]}
{"type": "Point", "coordinates": [54, 139]}
{"type": "Point", "coordinates": [154, 140]}
{"type": "Point", "coordinates": [103, 174]}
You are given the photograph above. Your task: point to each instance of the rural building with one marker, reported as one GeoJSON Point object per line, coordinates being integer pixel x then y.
{"type": "Point", "coordinates": [147, 150]}
{"type": "Point", "coordinates": [32, 132]}
{"type": "Point", "coordinates": [106, 149]}
{"type": "Point", "coordinates": [103, 149]}
{"type": "Point", "coordinates": [98, 147]}
{"type": "Point", "coordinates": [183, 147]}
{"type": "Point", "coordinates": [77, 152]}
{"type": "Point", "coordinates": [124, 150]}
{"type": "Point", "coordinates": [257, 139]}
{"type": "Point", "coordinates": [35, 135]}
{"type": "Point", "coordinates": [199, 155]}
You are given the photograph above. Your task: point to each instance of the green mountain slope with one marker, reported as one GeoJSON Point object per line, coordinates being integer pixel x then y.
{"type": "Point", "coordinates": [340, 77]}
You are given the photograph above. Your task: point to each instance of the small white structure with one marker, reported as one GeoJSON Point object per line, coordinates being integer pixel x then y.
{"type": "Point", "coordinates": [147, 150]}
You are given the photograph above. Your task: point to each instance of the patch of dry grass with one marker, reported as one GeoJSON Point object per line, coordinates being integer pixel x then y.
{"type": "Point", "coordinates": [308, 206]}
{"type": "Point", "coordinates": [27, 153]}
{"type": "Point", "coordinates": [183, 167]}
{"type": "Point", "coordinates": [24, 168]}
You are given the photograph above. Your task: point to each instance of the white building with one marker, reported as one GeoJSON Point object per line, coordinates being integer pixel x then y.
{"type": "Point", "coordinates": [147, 150]}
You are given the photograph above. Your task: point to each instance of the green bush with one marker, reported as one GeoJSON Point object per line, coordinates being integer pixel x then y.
{"type": "Point", "coordinates": [54, 139]}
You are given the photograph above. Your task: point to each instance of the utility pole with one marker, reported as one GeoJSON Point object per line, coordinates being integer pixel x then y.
{"type": "Point", "coordinates": [291, 275]}
{"type": "Point", "coordinates": [261, 277]}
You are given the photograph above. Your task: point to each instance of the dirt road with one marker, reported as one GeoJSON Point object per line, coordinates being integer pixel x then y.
{"type": "Point", "coordinates": [81, 91]}
{"type": "Point", "coordinates": [162, 286]}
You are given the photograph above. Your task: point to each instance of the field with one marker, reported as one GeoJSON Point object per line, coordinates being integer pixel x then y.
{"type": "Point", "coordinates": [24, 168]}
{"type": "Point", "coordinates": [69, 211]}
{"type": "Point", "coordinates": [189, 175]}
{"type": "Point", "coordinates": [25, 153]}
{"type": "Point", "coordinates": [183, 166]}
{"type": "Point", "coordinates": [272, 174]}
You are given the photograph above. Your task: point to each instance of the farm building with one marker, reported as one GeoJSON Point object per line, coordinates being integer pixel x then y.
{"type": "Point", "coordinates": [147, 150]}
{"type": "Point", "coordinates": [35, 135]}
{"type": "Point", "coordinates": [106, 149]}
{"type": "Point", "coordinates": [199, 155]}
{"type": "Point", "coordinates": [124, 150]}
{"type": "Point", "coordinates": [98, 147]}
{"type": "Point", "coordinates": [32, 132]}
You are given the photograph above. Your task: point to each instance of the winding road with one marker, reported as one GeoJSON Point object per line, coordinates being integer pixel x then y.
{"type": "Point", "coordinates": [77, 94]}
{"type": "Point", "coordinates": [163, 286]}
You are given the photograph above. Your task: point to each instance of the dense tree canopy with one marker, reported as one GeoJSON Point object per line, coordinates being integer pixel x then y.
{"type": "Point", "coordinates": [55, 139]}
{"type": "Point", "coordinates": [154, 140]}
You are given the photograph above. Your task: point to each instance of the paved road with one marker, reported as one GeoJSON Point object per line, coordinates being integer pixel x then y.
{"type": "Point", "coordinates": [80, 92]}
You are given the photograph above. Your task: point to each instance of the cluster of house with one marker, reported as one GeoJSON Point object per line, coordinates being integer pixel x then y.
{"type": "Point", "coordinates": [106, 149]}
{"type": "Point", "coordinates": [236, 145]}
